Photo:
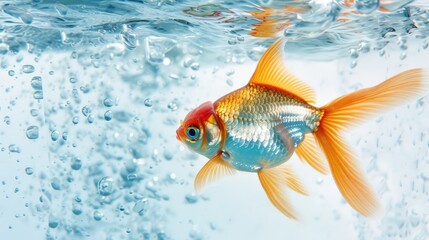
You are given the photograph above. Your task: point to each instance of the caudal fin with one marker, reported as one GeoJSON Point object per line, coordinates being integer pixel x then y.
{"type": "Point", "coordinates": [350, 110]}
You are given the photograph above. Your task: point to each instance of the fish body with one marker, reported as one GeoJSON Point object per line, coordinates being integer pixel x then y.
{"type": "Point", "coordinates": [269, 123]}
{"type": "Point", "coordinates": [258, 127]}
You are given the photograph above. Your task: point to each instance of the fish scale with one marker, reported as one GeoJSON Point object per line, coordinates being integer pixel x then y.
{"type": "Point", "coordinates": [264, 120]}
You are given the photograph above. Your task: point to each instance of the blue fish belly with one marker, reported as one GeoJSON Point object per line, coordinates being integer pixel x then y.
{"type": "Point", "coordinates": [250, 154]}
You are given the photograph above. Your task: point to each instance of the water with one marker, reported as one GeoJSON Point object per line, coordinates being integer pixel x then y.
{"type": "Point", "coordinates": [92, 92]}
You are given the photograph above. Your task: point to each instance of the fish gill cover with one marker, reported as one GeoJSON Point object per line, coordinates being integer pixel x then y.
{"type": "Point", "coordinates": [92, 91]}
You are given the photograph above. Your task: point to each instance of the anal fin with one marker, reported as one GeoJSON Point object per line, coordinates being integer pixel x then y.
{"type": "Point", "coordinates": [274, 181]}
{"type": "Point", "coordinates": [214, 169]}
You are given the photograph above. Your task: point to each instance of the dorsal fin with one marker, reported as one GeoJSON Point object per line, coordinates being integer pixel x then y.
{"type": "Point", "coordinates": [272, 72]}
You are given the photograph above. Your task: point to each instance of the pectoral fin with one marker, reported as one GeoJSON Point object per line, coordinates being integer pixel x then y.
{"type": "Point", "coordinates": [214, 169]}
{"type": "Point", "coordinates": [274, 181]}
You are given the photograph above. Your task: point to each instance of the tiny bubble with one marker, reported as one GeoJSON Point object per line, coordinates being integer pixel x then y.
{"type": "Point", "coordinates": [32, 132]}
{"type": "Point", "coordinates": [55, 135]}
{"type": "Point", "coordinates": [108, 115]}
{"type": "Point", "coordinates": [75, 120]}
{"type": "Point", "coordinates": [98, 215]}
{"type": "Point", "coordinates": [105, 186]}
{"type": "Point", "coordinates": [29, 171]}
{"type": "Point", "coordinates": [73, 80]}
{"type": "Point", "coordinates": [14, 148]}
{"type": "Point", "coordinates": [191, 198]}
{"type": "Point", "coordinates": [86, 111]}
{"type": "Point", "coordinates": [195, 66]}
{"type": "Point", "coordinates": [148, 102]}
{"type": "Point", "coordinates": [90, 119]}
{"type": "Point", "coordinates": [108, 102]}
{"type": "Point", "coordinates": [172, 106]}
{"type": "Point", "coordinates": [28, 69]}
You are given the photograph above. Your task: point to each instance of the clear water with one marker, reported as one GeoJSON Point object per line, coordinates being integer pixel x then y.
{"type": "Point", "coordinates": [91, 93]}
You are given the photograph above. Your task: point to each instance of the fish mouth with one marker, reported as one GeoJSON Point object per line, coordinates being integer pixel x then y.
{"type": "Point", "coordinates": [179, 130]}
{"type": "Point", "coordinates": [178, 133]}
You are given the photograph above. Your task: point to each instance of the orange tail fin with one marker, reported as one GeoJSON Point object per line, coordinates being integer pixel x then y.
{"type": "Point", "coordinates": [351, 109]}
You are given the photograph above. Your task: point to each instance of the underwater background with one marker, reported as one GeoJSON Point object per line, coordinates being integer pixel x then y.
{"type": "Point", "coordinates": [91, 93]}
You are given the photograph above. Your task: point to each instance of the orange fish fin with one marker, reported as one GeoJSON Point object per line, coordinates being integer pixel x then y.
{"type": "Point", "coordinates": [214, 169]}
{"type": "Point", "coordinates": [347, 175]}
{"type": "Point", "coordinates": [351, 109]}
{"type": "Point", "coordinates": [347, 111]}
{"type": "Point", "coordinates": [292, 180]}
{"type": "Point", "coordinates": [272, 72]}
{"type": "Point", "coordinates": [273, 181]}
{"type": "Point", "coordinates": [309, 152]}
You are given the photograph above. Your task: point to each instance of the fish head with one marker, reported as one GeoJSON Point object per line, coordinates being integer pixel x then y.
{"type": "Point", "coordinates": [201, 131]}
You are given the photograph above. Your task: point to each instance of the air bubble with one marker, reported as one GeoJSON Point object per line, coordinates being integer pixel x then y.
{"type": "Point", "coordinates": [38, 95]}
{"type": "Point", "coordinates": [53, 223]}
{"type": "Point", "coordinates": [105, 186]}
{"type": "Point", "coordinates": [131, 177]}
{"type": "Point", "coordinates": [65, 136]}
{"type": "Point", "coordinates": [173, 106]}
{"type": "Point", "coordinates": [55, 135]}
{"type": "Point", "coordinates": [76, 163]}
{"type": "Point", "coordinates": [364, 47]}
{"type": "Point", "coordinates": [73, 80]}
{"type": "Point", "coordinates": [90, 119]}
{"type": "Point", "coordinates": [34, 112]}
{"type": "Point", "coordinates": [14, 149]}
{"type": "Point", "coordinates": [11, 73]}
{"type": "Point", "coordinates": [75, 120]}
{"type": "Point", "coordinates": [86, 111]}
{"type": "Point", "coordinates": [191, 198]}
{"type": "Point", "coordinates": [7, 120]}
{"type": "Point", "coordinates": [195, 66]}
{"type": "Point", "coordinates": [32, 132]}
{"type": "Point", "coordinates": [148, 102]}
{"type": "Point", "coordinates": [140, 207]}
{"type": "Point", "coordinates": [55, 184]}
{"type": "Point", "coordinates": [77, 210]}
{"type": "Point", "coordinates": [28, 69]}
{"type": "Point", "coordinates": [97, 215]}
{"type": "Point", "coordinates": [108, 115]}
{"type": "Point", "coordinates": [29, 171]}
{"type": "Point", "coordinates": [108, 102]}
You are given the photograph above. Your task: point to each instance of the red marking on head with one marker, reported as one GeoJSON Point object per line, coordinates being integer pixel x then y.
{"type": "Point", "coordinates": [201, 113]}
{"type": "Point", "coordinates": [196, 117]}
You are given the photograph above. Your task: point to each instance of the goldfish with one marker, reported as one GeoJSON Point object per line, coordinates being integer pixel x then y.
{"type": "Point", "coordinates": [258, 127]}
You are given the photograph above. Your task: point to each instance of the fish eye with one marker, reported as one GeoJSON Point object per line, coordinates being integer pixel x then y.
{"type": "Point", "coordinates": [192, 132]}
